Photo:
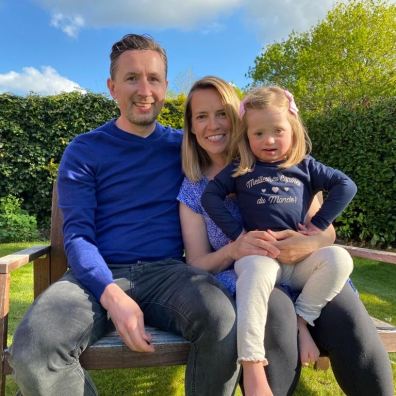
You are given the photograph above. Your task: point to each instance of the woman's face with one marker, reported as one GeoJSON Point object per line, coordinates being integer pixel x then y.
{"type": "Point", "coordinates": [210, 123]}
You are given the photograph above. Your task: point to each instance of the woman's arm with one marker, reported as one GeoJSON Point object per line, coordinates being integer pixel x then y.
{"type": "Point", "coordinates": [294, 246]}
{"type": "Point", "coordinates": [198, 250]}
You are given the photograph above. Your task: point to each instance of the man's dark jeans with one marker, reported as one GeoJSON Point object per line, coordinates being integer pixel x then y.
{"type": "Point", "coordinates": [174, 296]}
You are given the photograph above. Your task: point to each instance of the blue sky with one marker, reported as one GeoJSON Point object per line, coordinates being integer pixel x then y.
{"type": "Point", "coordinates": [49, 46]}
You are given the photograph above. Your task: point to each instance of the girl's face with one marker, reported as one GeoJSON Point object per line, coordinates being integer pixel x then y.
{"type": "Point", "coordinates": [270, 133]}
{"type": "Point", "coordinates": [210, 123]}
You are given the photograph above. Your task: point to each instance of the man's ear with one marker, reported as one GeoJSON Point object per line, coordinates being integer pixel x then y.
{"type": "Point", "coordinates": [110, 86]}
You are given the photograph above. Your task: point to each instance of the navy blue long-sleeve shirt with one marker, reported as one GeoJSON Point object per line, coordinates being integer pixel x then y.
{"type": "Point", "coordinates": [277, 199]}
{"type": "Point", "coordinates": [117, 192]}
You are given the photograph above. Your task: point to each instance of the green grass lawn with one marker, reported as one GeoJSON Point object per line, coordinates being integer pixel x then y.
{"type": "Point", "coordinates": [374, 280]}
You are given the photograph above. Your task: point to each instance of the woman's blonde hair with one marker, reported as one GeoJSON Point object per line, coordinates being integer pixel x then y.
{"type": "Point", "coordinates": [195, 160]}
{"type": "Point", "coordinates": [261, 98]}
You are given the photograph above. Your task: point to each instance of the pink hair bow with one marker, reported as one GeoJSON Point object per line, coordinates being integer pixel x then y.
{"type": "Point", "coordinates": [292, 104]}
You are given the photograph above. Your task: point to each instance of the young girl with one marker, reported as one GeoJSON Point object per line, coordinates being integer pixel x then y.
{"type": "Point", "coordinates": [275, 181]}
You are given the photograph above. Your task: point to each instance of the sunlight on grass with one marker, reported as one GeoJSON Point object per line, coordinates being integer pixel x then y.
{"type": "Point", "coordinates": [375, 282]}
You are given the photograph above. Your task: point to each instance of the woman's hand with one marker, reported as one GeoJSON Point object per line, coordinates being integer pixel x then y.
{"type": "Point", "coordinates": [199, 252]}
{"type": "Point", "coordinates": [260, 243]}
{"type": "Point", "coordinates": [294, 246]}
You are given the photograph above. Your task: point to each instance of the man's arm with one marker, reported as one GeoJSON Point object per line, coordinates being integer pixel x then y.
{"type": "Point", "coordinates": [77, 200]}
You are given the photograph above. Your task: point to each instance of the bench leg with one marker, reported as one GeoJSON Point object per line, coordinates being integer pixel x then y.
{"type": "Point", "coordinates": [2, 385]}
{"type": "Point", "coordinates": [4, 309]}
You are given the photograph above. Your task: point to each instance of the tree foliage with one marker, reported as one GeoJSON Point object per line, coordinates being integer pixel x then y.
{"type": "Point", "coordinates": [348, 57]}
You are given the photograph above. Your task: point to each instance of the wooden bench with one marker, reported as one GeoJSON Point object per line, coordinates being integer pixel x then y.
{"type": "Point", "coordinates": [110, 352]}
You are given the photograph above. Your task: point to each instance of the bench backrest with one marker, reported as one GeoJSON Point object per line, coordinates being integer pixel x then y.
{"type": "Point", "coordinates": [54, 266]}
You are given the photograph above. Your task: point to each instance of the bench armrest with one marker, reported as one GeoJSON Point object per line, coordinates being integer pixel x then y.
{"type": "Point", "coordinates": [371, 254]}
{"type": "Point", "coordinates": [18, 259]}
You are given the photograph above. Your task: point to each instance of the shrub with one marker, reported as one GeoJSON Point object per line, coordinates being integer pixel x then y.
{"type": "Point", "coordinates": [35, 130]}
{"type": "Point", "coordinates": [16, 225]}
{"type": "Point", "coordinates": [360, 141]}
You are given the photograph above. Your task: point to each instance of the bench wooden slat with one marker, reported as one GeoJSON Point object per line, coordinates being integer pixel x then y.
{"type": "Point", "coordinates": [387, 333]}
{"type": "Point", "coordinates": [159, 338]}
{"type": "Point", "coordinates": [111, 352]}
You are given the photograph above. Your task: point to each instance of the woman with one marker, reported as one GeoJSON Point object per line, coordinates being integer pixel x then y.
{"type": "Point", "coordinates": [344, 330]}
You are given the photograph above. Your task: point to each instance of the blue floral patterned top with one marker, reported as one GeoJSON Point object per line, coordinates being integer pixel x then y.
{"type": "Point", "coordinates": [190, 195]}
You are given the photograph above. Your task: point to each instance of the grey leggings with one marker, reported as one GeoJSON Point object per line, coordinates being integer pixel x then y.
{"type": "Point", "coordinates": [344, 332]}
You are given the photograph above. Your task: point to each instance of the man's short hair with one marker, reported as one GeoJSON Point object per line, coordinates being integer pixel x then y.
{"type": "Point", "coordinates": [135, 42]}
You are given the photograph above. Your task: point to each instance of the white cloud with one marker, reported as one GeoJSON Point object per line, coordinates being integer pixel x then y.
{"type": "Point", "coordinates": [69, 25]}
{"type": "Point", "coordinates": [44, 82]}
{"type": "Point", "coordinates": [213, 28]}
{"type": "Point", "coordinates": [179, 14]}
{"type": "Point", "coordinates": [272, 19]}
{"type": "Point", "coordinates": [275, 19]}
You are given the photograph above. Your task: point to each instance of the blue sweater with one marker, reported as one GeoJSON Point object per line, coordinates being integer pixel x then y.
{"type": "Point", "coordinates": [277, 199]}
{"type": "Point", "coordinates": [117, 192]}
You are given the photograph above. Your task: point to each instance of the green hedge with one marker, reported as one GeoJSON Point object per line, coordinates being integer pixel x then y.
{"type": "Point", "coordinates": [361, 141]}
{"type": "Point", "coordinates": [34, 132]}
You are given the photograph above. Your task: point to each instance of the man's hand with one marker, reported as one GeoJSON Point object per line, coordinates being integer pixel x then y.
{"type": "Point", "coordinates": [127, 318]}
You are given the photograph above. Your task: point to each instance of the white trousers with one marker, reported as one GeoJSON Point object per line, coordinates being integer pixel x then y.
{"type": "Point", "coordinates": [320, 277]}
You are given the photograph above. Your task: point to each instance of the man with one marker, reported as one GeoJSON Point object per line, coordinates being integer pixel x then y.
{"type": "Point", "coordinates": [117, 190]}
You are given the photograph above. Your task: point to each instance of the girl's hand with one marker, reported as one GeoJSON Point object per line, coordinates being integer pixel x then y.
{"type": "Point", "coordinates": [259, 243]}
{"type": "Point", "coordinates": [308, 229]}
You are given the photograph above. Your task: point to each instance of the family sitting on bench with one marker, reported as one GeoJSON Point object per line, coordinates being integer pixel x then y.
{"type": "Point", "coordinates": [120, 190]}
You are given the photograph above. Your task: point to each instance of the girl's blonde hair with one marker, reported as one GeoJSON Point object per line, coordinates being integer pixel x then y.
{"type": "Point", "coordinates": [195, 160]}
{"type": "Point", "coordinates": [261, 98]}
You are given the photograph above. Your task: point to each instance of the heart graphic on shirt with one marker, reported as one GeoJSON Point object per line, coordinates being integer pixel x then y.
{"type": "Point", "coordinates": [275, 189]}
{"type": "Point", "coordinates": [286, 188]}
{"type": "Point", "coordinates": [263, 190]}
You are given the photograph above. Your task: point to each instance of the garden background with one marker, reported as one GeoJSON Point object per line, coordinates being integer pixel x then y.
{"type": "Point", "coordinates": [343, 75]}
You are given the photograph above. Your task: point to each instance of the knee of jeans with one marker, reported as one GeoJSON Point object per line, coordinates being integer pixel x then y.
{"type": "Point", "coordinates": [23, 357]}
{"type": "Point", "coordinates": [36, 347]}
{"type": "Point", "coordinates": [17, 358]}
{"type": "Point", "coordinates": [214, 317]}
